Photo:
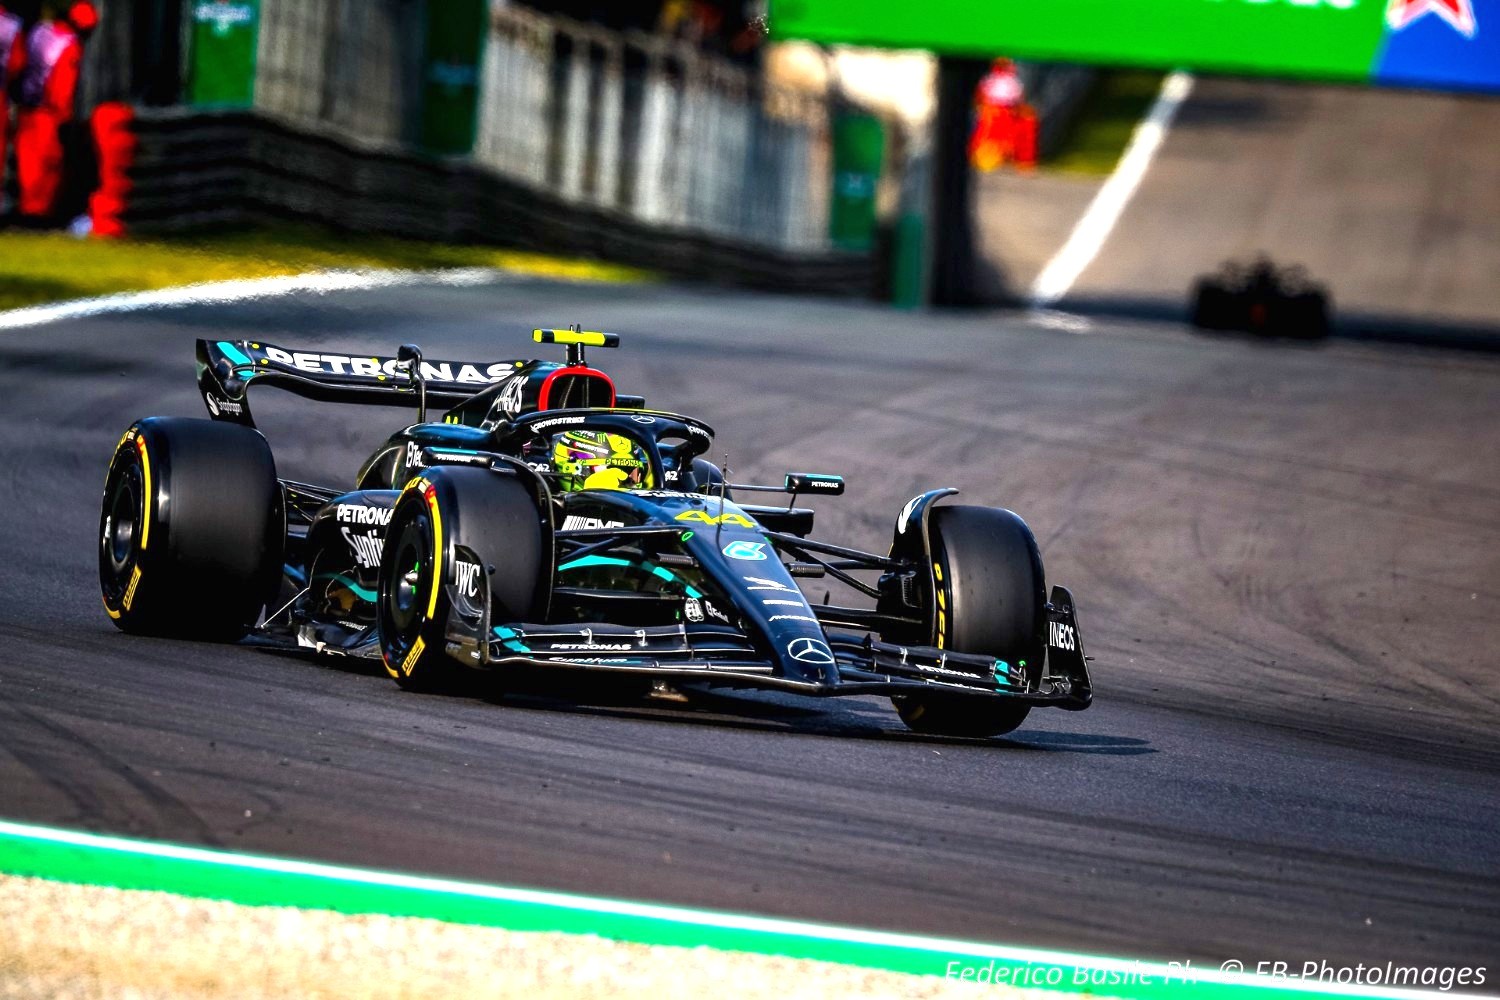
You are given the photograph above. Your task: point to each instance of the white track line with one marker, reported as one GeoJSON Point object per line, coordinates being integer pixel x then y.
{"type": "Point", "coordinates": [241, 290]}
{"type": "Point", "coordinates": [1094, 228]}
{"type": "Point", "coordinates": [131, 849]}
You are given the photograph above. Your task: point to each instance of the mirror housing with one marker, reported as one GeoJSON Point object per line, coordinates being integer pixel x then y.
{"type": "Point", "coordinates": [815, 484]}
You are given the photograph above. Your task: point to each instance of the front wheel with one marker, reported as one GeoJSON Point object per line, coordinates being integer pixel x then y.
{"type": "Point", "coordinates": [991, 600]}
{"type": "Point", "coordinates": [454, 533]}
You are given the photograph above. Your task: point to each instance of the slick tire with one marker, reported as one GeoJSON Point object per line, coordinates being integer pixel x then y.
{"type": "Point", "coordinates": [992, 601]}
{"type": "Point", "coordinates": [1212, 306]}
{"type": "Point", "coordinates": [454, 530]}
{"type": "Point", "coordinates": [191, 531]}
{"type": "Point", "coordinates": [1307, 316]}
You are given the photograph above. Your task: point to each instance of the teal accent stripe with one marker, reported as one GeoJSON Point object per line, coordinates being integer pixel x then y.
{"type": "Point", "coordinates": [234, 353]}
{"type": "Point", "coordinates": [660, 572]}
{"type": "Point", "coordinates": [587, 561]}
{"type": "Point", "coordinates": [257, 880]}
{"type": "Point", "coordinates": [508, 637]}
{"type": "Point", "coordinates": [360, 592]}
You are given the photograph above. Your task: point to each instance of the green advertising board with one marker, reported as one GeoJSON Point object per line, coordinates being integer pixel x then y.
{"type": "Point", "coordinates": [858, 148]}
{"type": "Point", "coordinates": [450, 74]}
{"type": "Point", "coordinates": [1429, 43]}
{"type": "Point", "coordinates": [223, 39]}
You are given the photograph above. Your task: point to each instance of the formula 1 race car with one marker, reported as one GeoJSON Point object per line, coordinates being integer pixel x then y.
{"type": "Point", "coordinates": [543, 522]}
{"type": "Point", "coordinates": [1262, 299]}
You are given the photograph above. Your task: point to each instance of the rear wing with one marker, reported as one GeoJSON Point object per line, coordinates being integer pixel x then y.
{"type": "Point", "coordinates": [227, 369]}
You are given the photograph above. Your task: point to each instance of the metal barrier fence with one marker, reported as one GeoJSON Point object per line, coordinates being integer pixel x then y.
{"type": "Point", "coordinates": [628, 123]}
{"type": "Point", "coordinates": [1056, 90]}
{"type": "Point", "coordinates": [346, 65]}
{"type": "Point", "coordinates": [204, 169]}
{"type": "Point", "coordinates": [653, 129]}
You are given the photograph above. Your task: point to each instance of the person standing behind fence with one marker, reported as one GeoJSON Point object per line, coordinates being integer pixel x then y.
{"type": "Point", "coordinates": [47, 90]}
{"type": "Point", "coordinates": [12, 62]}
{"type": "Point", "coordinates": [997, 102]}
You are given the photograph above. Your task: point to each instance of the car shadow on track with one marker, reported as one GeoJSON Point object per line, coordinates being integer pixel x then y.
{"type": "Point", "coordinates": [851, 719]}
{"type": "Point", "coordinates": [870, 719]}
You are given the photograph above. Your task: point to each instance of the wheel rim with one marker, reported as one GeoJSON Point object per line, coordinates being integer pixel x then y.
{"type": "Point", "coordinates": [122, 521]}
{"type": "Point", "coordinates": [412, 571]}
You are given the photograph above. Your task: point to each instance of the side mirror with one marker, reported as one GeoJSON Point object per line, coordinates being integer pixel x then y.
{"type": "Point", "coordinates": [409, 353]}
{"type": "Point", "coordinates": [814, 483]}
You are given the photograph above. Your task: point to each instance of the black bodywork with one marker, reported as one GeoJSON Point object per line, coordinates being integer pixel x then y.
{"type": "Point", "coordinates": [1263, 299]}
{"type": "Point", "coordinates": [678, 582]}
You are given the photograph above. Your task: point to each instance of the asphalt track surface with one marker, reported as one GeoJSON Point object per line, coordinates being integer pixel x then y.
{"type": "Point", "coordinates": [1286, 560]}
{"type": "Point", "coordinates": [1389, 198]}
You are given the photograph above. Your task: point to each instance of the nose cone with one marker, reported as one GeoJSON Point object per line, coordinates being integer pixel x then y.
{"type": "Point", "coordinates": [753, 576]}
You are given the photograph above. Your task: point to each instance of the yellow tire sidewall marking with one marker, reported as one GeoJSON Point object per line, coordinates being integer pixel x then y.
{"type": "Point", "coordinates": [412, 655]}
{"type": "Point", "coordinates": [140, 444]}
{"type": "Point", "coordinates": [437, 551]}
{"type": "Point", "coordinates": [135, 580]}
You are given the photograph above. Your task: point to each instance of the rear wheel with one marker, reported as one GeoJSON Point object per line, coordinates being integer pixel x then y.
{"type": "Point", "coordinates": [1212, 305]}
{"type": "Point", "coordinates": [454, 531]}
{"type": "Point", "coordinates": [991, 601]}
{"type": "Point", "coordinates": [190, 534]}
{"type": "Point", "coordinates": [1307, 315]}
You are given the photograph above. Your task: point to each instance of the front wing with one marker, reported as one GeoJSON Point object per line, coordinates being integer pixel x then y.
{"type": "Point", "coordinates": [721, 656]}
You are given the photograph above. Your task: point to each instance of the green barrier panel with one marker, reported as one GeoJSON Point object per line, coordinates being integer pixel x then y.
{"type": "Point", "coordinates": [858, 149]}
{"type": "Point", "coordinates": [907, 263]}
{"type": "Point", "coordinates": [1450, 44]}
{"type": "Point", "coordinates": [223, 38]}
{"type": "Point", "coordinates": [450, 74]}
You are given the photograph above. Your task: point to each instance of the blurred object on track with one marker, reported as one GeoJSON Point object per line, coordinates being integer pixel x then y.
{"type": "Point", "coordinates": [1263, 299]}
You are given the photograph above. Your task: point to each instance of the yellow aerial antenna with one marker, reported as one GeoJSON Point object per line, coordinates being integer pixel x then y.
{"type": "Point", "coordinates": [576, 340]}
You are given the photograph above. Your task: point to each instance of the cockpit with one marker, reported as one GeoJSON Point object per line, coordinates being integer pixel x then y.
{"type": "Point", "coordinates": [609, 449]}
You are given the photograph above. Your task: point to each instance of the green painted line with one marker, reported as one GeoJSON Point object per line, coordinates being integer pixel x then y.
{"type": "Point", "coordinates": [255, 880]}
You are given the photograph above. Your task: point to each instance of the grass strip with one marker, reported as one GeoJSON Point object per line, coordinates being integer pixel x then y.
{"type": "Point", "coordinates": [37, 268]}
{"type": "Point", "coordinates": [1106, 121]}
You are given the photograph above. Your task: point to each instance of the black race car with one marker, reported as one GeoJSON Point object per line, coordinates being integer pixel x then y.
{"type": "Point", "coordinates": [1263, 299]}
{"type": "Point", "coordinates": [544, 522]}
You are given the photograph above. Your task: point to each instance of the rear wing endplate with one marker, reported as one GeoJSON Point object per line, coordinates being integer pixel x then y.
{"type": "Point", "coordinates": [227, 369]}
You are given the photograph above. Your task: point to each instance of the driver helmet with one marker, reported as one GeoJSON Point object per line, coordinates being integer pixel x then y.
{"type": "Point", "coordinates": [597, 460]}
